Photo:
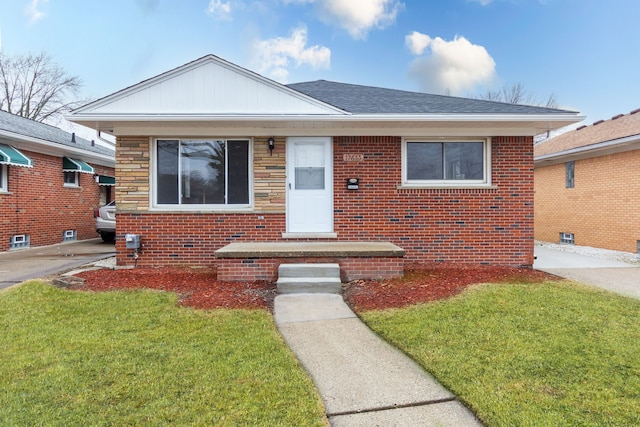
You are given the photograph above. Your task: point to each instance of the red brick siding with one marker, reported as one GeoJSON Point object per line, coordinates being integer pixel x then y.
{"type": "Point", "coordinates": [602, 210]}
{"type": "Point", "coordinates": [38, 204]}
{"type": "Point", "coordinates": [492, 225]}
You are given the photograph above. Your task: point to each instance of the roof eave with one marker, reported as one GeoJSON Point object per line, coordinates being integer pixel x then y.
{"type": "Point", "coordinates": [43, 146]}
{"type": "Point", "coordinates": [604, 148]}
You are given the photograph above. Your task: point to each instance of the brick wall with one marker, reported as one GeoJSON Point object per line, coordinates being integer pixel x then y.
{"type": "Point", "coordinates": [491, 225]}
{"type": "Point", "coordinates": [603, 208]}
{"type": "Point", "coordinates": [38, 204]}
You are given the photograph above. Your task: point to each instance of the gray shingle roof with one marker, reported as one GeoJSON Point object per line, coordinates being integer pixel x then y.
{"type": "Point", "coordinates": [30, 128]}
{"type": "Point", "coordinates": [358, 99]}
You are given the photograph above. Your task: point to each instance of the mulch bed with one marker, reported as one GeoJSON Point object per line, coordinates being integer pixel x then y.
{"type": "Point", "coordinates": [199, 288]}
{"type": "Point", "coordinates": [196, 288]}
{"type": "Point", "coordinates": [424, 283]}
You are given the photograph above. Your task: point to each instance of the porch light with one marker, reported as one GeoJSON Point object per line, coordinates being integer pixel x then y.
{"type": "Point", "coordinates": [272, 145]}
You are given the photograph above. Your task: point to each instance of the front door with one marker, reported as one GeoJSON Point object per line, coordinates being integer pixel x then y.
{"type": "Point", "coordinates": [309, 185]}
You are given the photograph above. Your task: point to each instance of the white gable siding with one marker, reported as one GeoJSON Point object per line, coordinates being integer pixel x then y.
{"type": "Point", "coordinates": [210, 88]}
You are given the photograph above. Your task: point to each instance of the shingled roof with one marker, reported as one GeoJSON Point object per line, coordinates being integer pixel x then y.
{"type": "Point", "coordinates": [357, 99]}
{"type": "Point", "coordinates": [31, 129]}
{"type": "Point", "coordinates": [602, 131]}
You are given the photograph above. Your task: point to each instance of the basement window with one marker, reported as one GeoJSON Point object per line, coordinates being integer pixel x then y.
{"type": "Point", "coordinates": [69, 236]}
{"type": "Point", "coordinates": [567, 238]}
{"type": "Point", "coordinates": [19, 241]}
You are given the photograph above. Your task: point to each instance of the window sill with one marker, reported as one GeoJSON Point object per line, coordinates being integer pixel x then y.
{"type": "Point", "coordinates": [71, 186]}
{"type": "Point", "coordinates": [201, 210]}
{"type": "Point", "coordinates": [447, 187]}
{"type": "Point", "coordinates": [309, 235]}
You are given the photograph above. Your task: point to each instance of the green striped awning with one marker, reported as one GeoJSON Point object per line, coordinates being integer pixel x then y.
{"type": "Point", "coordinates": [75, 165]}
{"type": "Point", "coordinates": [105, 180]}
{"type": "Point", "coordinates": [11, 156]}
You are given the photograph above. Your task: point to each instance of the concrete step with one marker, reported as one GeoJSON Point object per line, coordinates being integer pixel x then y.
{"type": "Point", "coordinates": [309, 270]}
{"type": "Point", "coordinates": [307, 285]}
{"type": "Point", "coordinates": [309, 278]}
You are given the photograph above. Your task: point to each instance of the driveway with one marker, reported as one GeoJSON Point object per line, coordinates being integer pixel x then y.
{"type": "Point", "coordinates": [614, 271]}
{"type": "Point", "coordinates": [24, 264]}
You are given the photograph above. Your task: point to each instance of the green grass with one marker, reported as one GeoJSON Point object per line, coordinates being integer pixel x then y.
{"type": "Point", "coordinates": [553, 354]}
{"type": "Point", "coordinates": [135, 358]}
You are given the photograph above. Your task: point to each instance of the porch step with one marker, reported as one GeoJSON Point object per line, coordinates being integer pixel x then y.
{"type": "Point", "coordinates": [309, 278]}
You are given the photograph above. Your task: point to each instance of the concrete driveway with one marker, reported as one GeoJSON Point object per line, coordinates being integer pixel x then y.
{"type": "Point", "coordinates": [597, 269]}
{"type": "Point", "coordinates": [20, 265]}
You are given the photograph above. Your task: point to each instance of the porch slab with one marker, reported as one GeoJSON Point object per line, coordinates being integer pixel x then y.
{"type": "Point", "coordinates": [309, 249]}
{"type": "Point", "coordinates": [247, 261]}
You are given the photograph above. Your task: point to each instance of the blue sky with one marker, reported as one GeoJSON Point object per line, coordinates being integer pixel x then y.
{"type": "Point", "coordinates": [586, 52]}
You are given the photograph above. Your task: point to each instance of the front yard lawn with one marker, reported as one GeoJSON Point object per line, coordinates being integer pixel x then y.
{"type": "Point", "coordinates": [137, 358]}
{"type": "Point", "coordinates": [549, 354]}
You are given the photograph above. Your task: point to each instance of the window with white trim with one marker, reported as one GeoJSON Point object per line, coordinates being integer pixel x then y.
{"type": "Point", "coordinates": [70, 179]}
{"type": "Point", "coordinates": [427, 162]}
{"type": "Point", "coordinates": [211, 173]}
{"type": "Point", "coordinates": [3, 179]}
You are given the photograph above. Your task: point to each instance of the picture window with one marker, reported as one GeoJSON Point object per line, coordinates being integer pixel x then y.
{"type": "Point", "coordinates": [202, 172]}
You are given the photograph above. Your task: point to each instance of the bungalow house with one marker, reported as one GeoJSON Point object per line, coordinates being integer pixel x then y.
{"type": "Point", "coordinates": [50, 183]}
{"type": "Point", "coordinates": [587, 185]}
{"type": "Point", "coordinates": [217, 165]}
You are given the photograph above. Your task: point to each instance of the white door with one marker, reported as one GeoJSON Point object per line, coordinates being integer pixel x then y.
{"type": "Point", "coordinates": [309, 185]}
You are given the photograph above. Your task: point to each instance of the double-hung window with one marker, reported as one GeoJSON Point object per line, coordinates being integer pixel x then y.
{"type": "Point", "coordinates": [446, 162]}
{"type": "Point", "coordinates": [202, 173]}
{"type": "Point", "coordinates": [70, 179]}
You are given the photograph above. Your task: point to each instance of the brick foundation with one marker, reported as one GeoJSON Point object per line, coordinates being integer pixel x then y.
{"type": "Point", "coordinates": [351, 268]}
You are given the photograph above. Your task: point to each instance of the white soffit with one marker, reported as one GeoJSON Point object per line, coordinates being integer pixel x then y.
{"type": "Point", "coordinates": [206, 86]}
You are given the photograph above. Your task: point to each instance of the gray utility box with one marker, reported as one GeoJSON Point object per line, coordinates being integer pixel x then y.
{"type": "Point", "coordinates": [132, 241]}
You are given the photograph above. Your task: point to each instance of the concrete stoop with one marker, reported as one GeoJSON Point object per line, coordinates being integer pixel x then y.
{"type": "Point", "coordinates": [309, 279]}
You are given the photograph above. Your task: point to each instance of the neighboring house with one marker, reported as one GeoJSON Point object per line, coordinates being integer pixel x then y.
{"type": "Point", "coordinates": [587, 185]}
{"type": "Point", "coordinates": [210, 154]}
{"type": "Point", "coordinates": [50, 183]}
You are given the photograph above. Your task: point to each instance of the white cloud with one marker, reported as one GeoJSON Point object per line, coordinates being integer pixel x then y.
{"type": "Point", "coordinates": [275, 55]}
{"type": "Point", "coordinates": [358, 17]}
{"type": "Point", "coordinates": [33, 11]}
{"type": "Point", "coordinates": [417, 42]}
{"type": "Point", "coordinates": [452, 66]}
{"type": "Point", "coordinates": [482, 2]}
{"type": "Point", "coordinates": [219, 9]}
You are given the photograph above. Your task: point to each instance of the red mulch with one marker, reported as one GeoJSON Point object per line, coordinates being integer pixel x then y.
{"type": "Point", "coordinates": [199, 288]}
{"type": "Point", "coordinates": [424, 283]}
{"type": "Point", "coordinates": [196, 288]}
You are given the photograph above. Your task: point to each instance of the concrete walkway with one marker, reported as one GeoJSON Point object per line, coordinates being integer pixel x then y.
{"type": "Point", "coordinates": [612, 275]}
{"type": "Point", "coordinates": [363, 380]}
{"type": "Point", "coordinates": [24, 264]}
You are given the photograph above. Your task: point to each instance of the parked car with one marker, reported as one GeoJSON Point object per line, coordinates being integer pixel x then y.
{"type": "Point", "coordinates": [106, 221]}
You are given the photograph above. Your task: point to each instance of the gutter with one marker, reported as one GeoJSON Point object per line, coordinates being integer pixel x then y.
{"type": "Point", "coordinates": [329, 117]}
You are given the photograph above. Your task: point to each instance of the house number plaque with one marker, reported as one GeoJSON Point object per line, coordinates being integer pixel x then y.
{"type": "Point", "coordinates": [353, 157]}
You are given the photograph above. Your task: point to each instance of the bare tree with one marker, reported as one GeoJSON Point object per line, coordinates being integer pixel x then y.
{"type": "Point", "coordinates": [517, 94]}
{"type": "Point", "coordinates": [35, 87]}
